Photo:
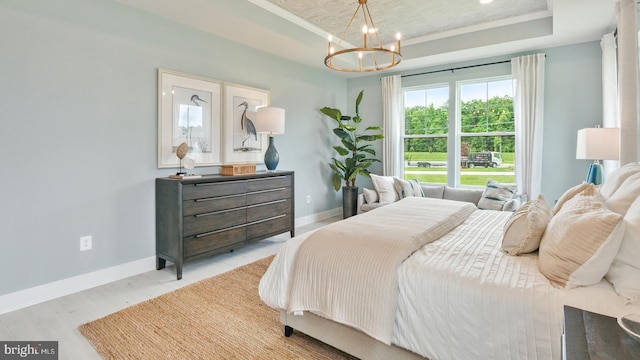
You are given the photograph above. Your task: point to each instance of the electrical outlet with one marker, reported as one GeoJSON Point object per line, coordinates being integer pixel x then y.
{"type": "Point", "coordinates": [308, 199]}
{"type": "Point", "coordinates": [85, 243]}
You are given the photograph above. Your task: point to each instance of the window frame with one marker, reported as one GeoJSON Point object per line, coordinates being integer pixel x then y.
{"type": "Point", "coordinates": [454, 134]}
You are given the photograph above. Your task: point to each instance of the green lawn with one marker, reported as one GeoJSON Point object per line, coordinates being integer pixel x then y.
{"type": "Point", "coordinates": [471, 177]}
{"type": "Point", "coordinates": [508, 158]}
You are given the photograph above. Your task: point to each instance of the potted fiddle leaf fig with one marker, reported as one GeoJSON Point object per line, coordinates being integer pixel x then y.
{"type": "Point", "coordinates": [355, 154]}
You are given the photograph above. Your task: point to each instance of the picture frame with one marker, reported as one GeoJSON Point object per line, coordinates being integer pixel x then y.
{"type": "Point", "coordinates": [241, 144]}
{"type": "Point", "coordinates": [189, 110]}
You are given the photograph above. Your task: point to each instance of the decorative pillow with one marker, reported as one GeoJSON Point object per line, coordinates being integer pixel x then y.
{"type": "Point", "coordinates": [387, 196]}
{"type": "Point", "coordinates": [370, 196]}
{"type": "Point", "coordinates": [580, 242]}
{"type": "Point", "coordinates": [495, 195]}
{"type": "Point", "coordinates": [433, 191]}
{"type": "Point", "coordinates": [568, 195]}
{"type": "Point", "coordinates": [624, 273]}
{"type": "Point", "coordinates": [523, 231]}
{"type": "Point", "coordinates": [384, 187]}
{"type": "Point", "coordinates": [625, 195]}
{"type": "Point", "coordinates": [407, 188]}
{"type": "Point", "coordinates": [617, 177]}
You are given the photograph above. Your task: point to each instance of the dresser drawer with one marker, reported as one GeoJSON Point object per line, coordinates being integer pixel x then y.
{"type": "Point", "coordinates": [213, 189]}
{"type": "Point", "coordinates": [206, 205]}
{"type": "Point", "coordinates": [263, 196]}
{"type": "Point", "coordinates": [269, 209]}
{"type": "Point", "coordinates": [207, 222]}
{"type": "Point", "coordinates": [268, 183]}
{"type": "Point", "coordinates": [198, 245]}
{"type": "Point", "coordinates": [269, 227]}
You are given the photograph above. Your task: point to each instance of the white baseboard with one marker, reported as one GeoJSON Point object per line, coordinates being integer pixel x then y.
{"type": "Point", "coordinates": [309, 219]}
{"type": "Point", "coordinates": [53, 290]}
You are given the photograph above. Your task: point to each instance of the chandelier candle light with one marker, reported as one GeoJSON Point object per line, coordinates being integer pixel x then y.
{"type": "Point", "coordinates": [270, 120]}
{"type": "Point", "coordinates": [372, 56]}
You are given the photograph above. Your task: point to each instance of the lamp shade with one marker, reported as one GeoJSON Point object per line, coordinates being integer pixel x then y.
{"type": "Point", "coordinates": [598, 144]}
{"type": "Point", "coordinates": [270, 120]}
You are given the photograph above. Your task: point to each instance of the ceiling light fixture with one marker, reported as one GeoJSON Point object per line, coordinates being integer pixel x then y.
{"type": "Point", "coordinates": [372, 56]}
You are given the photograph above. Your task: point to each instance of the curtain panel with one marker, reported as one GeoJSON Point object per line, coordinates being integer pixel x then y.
{"type": "Point", "coordinates": [610, 117]}
{"type": "Point", "coordinates": [528, 106]}
{"type": "Point", "coordinates": [393, 126]}
{"type": "Point", "coordinates": [628, 80]}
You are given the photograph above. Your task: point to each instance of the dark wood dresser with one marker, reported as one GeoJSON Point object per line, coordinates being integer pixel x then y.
{"type": "Point", "coordinates": [208, 215]}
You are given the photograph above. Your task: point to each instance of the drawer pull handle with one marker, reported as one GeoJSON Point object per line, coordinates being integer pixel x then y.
{"type": "Point", "coordinates": [266, 191]}
{"type": "Point", "coordinates": [219, 183]}
{"type": "Point", "coordinates": [267, 203]}
{"type": "Point", "coordinates": [218, 212]}
{"type": "Point", "coordinates": [267, 219]}
{"type": "Point", "coordinates": [269, 178]}
{"type": "Point", "coordinates": [221, 230]}
{"type": "Point", "coordinates": [220, 197]}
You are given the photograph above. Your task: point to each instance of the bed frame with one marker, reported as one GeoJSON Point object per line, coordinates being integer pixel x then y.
{"type": "Point", "coordinates": [342, 337]}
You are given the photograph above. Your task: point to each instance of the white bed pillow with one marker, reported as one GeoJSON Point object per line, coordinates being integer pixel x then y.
{"type": "Point", "coordinates": [384, 187]}
{"type": "Point", "coordinates": [568, 195]}
{"type": "Point", "coordinates": [581, 241]}
{"type": "Point", "coordinates": [495, 195]}
{"type": "Point", "coordinates": [407, 188]}
{"type": "Point", "coordinates": [625, 195]}
{"type": "Point", "coordinates": [617, 177]}
{"type": "Point", "coordinates": [624, 273]}
{"type": "Point", "coordinates": [524, 229]}
{"type": "Point", "coordinates": [370, 196]}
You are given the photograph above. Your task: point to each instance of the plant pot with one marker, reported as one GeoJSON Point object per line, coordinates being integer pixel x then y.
{"type": "Point", "coordinates": [349, 201]}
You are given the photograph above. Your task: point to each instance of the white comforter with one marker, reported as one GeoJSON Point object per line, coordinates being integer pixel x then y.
{"type": "Point", "coordinates": [460, 297]}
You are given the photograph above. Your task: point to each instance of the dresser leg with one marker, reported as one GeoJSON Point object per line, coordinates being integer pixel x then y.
{"type": "Point", "coordinates": [160, 263]}
{"type": "Point", "coordinates": [179, 271]}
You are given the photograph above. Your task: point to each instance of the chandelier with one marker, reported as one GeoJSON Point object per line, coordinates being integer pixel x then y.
{"type": "Point", "coordinates": [372, 56]}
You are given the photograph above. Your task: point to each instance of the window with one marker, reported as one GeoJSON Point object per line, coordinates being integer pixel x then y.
{"type": "Point", "coordinates": [479, 138]}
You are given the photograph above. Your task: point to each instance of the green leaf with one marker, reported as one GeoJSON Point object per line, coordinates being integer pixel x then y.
{"type": "Point", "coordinates": [332, 113]}
{"type": "Point", "coordinates": [342, 151]}
{"type": "Point", "coordinates": [358, 100]}
{"type": "Point", "coordinates": [341, 133]}
{"type": "Point", "coordinates": [350, 128]}
{"type": "Point", "coordinates": [373, 128]}
{"type": "Point", "coordinates": [337, 181]}
{"type": "Point", "coordinates": [357, 119]}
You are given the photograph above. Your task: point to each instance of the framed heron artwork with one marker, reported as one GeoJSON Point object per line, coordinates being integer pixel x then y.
{"type": "Point", "coordinates": [242, 144]}
{"type": "Point", "coordinates": [189, 111]}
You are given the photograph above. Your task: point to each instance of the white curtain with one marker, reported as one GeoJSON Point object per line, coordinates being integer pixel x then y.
{"type": "Point", "coordinates": [609, 92]}
{"type": "Point", "coordinates": [392, 124]}
{"type": "Point", "coordinates": [628, 80]}
{"type": "Point", "coordinates": [528, 106]}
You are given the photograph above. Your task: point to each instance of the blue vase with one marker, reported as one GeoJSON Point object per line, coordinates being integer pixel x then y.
{"type": "Point", "coordinates": [271, 157]}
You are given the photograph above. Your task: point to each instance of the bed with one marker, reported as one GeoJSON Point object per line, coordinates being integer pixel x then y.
{"type": "Point", "coordinates": [430, 278]}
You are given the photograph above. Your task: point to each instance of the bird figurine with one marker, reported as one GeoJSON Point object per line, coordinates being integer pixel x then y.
{"type": "Point", "coordinates": [247, 125]}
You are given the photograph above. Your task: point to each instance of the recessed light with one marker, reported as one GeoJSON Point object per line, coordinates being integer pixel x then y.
{"type": "Point", "coordinates": [485, 1]}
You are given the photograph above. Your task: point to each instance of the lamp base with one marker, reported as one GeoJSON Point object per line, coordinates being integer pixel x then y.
{"type": "Point", "coordinates": [595, 175]}
{"type": "Point", "coordinates": [271, 157]}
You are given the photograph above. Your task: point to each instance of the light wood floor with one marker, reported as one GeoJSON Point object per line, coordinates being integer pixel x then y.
{"type": "Point", "coordinates": [58, 320]}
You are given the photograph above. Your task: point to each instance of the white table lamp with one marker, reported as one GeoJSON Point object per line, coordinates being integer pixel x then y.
{"type": "Point", "coordinates": [598, 144]}
{"type": "Point", "coordinates": [270, 120]}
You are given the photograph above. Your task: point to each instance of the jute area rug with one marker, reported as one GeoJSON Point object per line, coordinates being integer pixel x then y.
{"type": "Point", "coordinates": [221, 317]}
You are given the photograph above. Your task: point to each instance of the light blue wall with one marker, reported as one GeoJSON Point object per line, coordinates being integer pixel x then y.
{"type": "Point", "coordinates": [78, 82]}
{"type": "Point", "coordinates": [78, 93]}
{"type": "Point", "coordinates": [573, 100]}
